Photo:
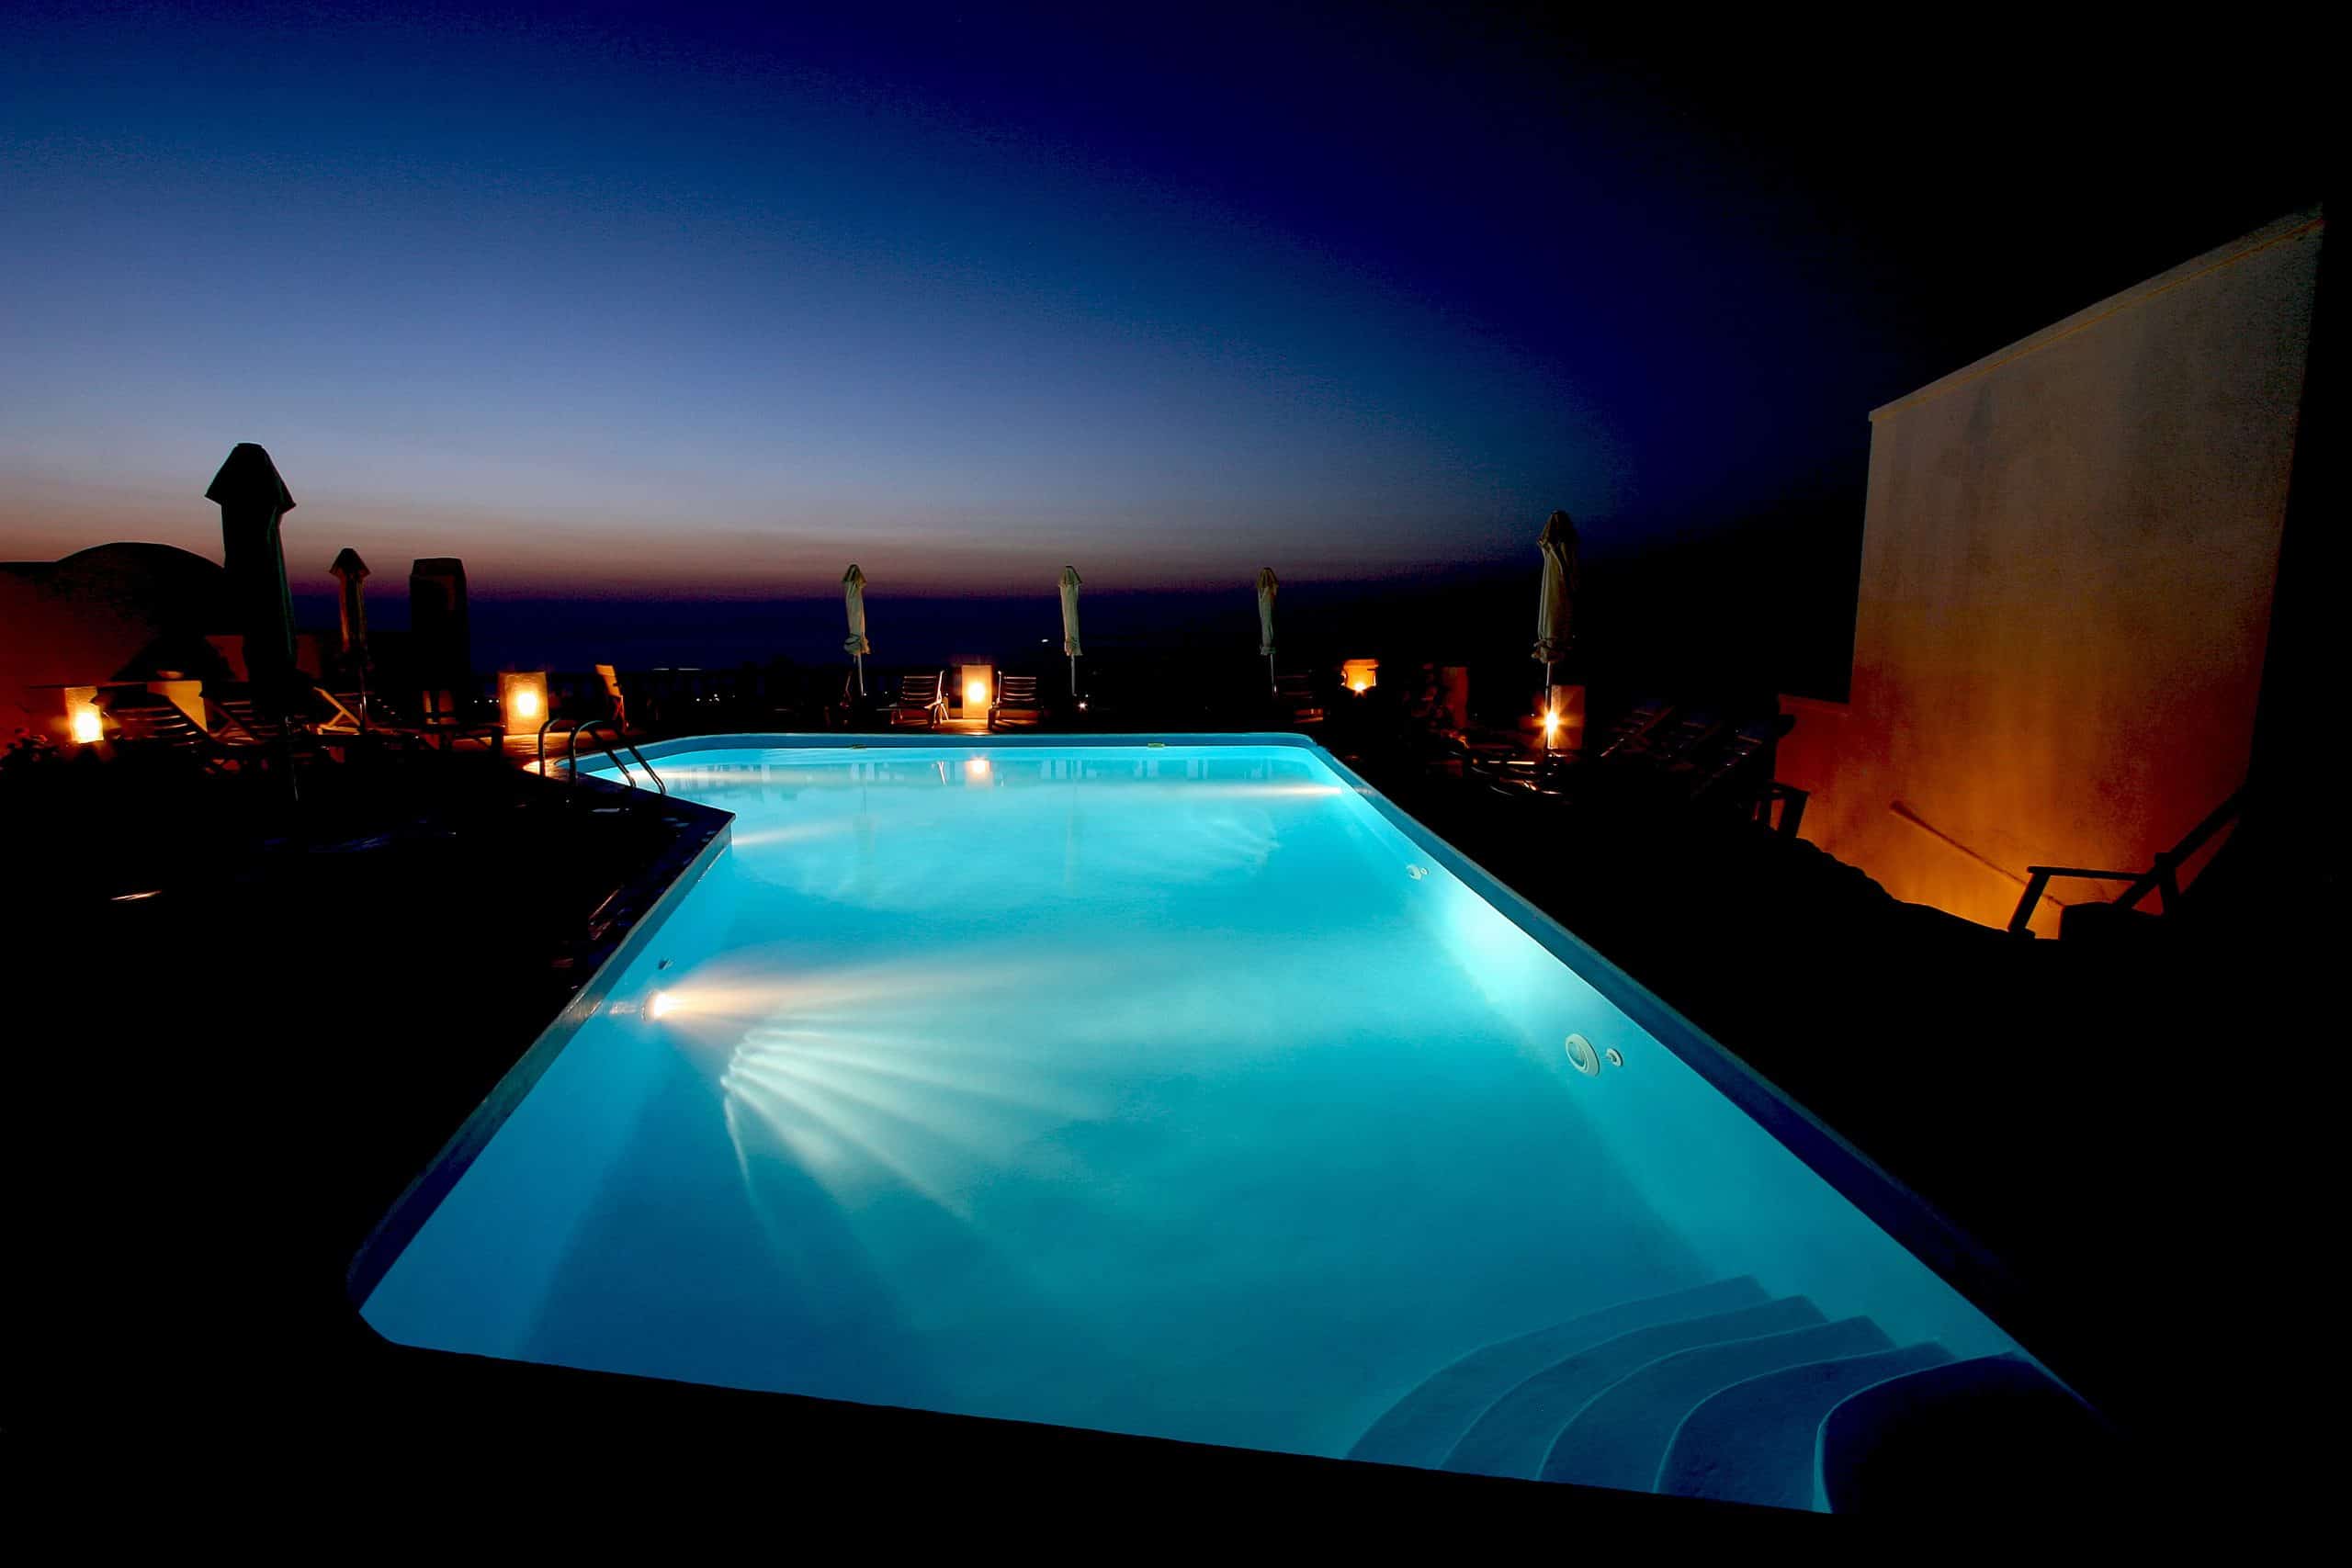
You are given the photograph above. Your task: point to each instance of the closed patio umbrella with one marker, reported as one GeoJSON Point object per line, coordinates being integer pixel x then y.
{"type": "Point", "coordinates": [350, 574]}
{"type": "Point", "coordinates": [253, 501]}
{"type": "Point", "coordinates": [1556, 600]}
{"type": "Point", "coordinates": [1268, 586]}
{"type": "Point", "coordinates": [1070, 624]}
{"type": "Point", "coordinates": [855, 645]}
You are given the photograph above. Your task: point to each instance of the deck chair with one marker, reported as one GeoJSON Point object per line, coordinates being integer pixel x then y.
{"type": "Point", "coordinates": [441, 729]}
{"type": "Point", "coordinates": [159, 727]}
{"type": "Point", "coordinates": [1294, 693]}
{"type": "Point", "coordinates": [1678, 742]}
{"type": "Point", "coordinates": [920, 700]}
{"type": "Point", "coordinates": [1016, 702]}
{"type": "Point", "coordinates": [348, 719]}
{"type": "Point", "coordinates": [612, 680]}
{"type": "Point", "coordinates": [239, 720]}
{"type": "Point", "coordinates": [1634, 737]}
{"type": "Point", "coordinates": [1632, 730]}
{"type": "Point", "coordinates": [1734, 768]}
{"type": "Point", "coordinates": [347, 713]}
{"type": "Point", "coordinates": [1507, 764]}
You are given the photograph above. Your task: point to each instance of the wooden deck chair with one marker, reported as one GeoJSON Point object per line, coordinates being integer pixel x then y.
{"type": "Point", "coordinates": [920, 700]}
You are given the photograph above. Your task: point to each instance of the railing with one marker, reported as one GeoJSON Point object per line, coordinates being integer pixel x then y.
{"type": "Point", "coordinates": [572, 757]}
{"type": "Point", "coordinates": [2162, 878]}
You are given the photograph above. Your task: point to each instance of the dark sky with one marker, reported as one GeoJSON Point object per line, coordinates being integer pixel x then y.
{"type": "Point", "coordinates": [684, 299]}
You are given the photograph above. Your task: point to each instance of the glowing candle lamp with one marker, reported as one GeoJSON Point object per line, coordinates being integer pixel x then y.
{"type": "Point", "coordinates": [83, 724]}
{"type": "Point", "coordinates": [522, 698]}
{"type": "Point", "coordinates": [978, 682]}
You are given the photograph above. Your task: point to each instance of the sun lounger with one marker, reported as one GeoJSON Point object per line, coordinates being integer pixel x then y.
{"type": "Point", "coordinates": [920, 700]}
{"type": "Point", "coordinates": [1016, 702]}
{"type": "Point", "coordinates": [1294, 696]}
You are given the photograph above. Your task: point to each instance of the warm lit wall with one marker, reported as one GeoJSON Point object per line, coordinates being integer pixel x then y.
{"type": "Point", "coordinates": [2068, 560]}
{"type": "Point", "coordinates": [113, 609]}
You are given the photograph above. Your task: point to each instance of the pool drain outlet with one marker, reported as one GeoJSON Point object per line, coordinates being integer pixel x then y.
{"type": "Point", "coordinates": [1583, 1057]}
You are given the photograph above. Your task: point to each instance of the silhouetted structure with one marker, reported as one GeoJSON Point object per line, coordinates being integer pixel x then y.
{"type": "Point", "coordinates": [112, 612]}
{"type": "Point", "coordinates": [441, 643]}
{"type": "Point", "coordinates": [350, 574]}
{"type": "Point", "coordinates": [253, 500]}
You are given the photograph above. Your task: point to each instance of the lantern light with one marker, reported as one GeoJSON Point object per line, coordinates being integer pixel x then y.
{"type": "Point", "coordinates": [85, 725]}
{"type": "Point", "coordinates": [522, 698]}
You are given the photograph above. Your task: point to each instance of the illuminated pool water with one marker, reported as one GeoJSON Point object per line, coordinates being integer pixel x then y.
{"type": "Point", "coordinates": [1183, 1090]}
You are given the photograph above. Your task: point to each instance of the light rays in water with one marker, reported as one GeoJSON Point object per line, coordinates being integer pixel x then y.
{"type": "Point", "coordinates": [858, 1078]}
{"type": "Point", "coordinates": [772, 835]}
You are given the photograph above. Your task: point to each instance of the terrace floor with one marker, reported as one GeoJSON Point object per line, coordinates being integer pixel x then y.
{"type": "Point", "coordinates": [232, 1079]}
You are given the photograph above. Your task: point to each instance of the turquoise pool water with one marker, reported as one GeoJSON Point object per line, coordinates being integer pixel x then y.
{"type": "Point", "coordinates": [1169, 1090]}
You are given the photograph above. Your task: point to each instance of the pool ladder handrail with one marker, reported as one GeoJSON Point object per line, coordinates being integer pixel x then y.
{"type": "Point", "coordinates": [587, 726]}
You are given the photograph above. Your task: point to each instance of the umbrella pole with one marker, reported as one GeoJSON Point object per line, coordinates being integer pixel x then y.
{"type": "Point", "coordinates": [1073, 674]}
{"type": "Point", "coordinates": [861, 674]}
{"type": "Point", "coordinates": [1273, 685]}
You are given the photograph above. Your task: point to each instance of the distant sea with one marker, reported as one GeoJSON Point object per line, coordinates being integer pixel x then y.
{"type": "Point", "coordinates": [1722, 617]}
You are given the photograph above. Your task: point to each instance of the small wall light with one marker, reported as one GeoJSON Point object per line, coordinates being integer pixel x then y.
{"type": "Point", "coordinates": [523, 699]}
{"type": "Point", "coordinates": [1359, 675]}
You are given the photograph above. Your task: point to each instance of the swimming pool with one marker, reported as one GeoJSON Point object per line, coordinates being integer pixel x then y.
{"type": "Point", "coordinates": [1178, 1089]}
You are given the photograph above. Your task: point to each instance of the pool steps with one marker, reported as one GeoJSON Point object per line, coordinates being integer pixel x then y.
{"type": "Point", "coordinates": [1995, 1431]}
{"type": "Point", "coordinates": [1719, 1392]}
{"type": "Point", "coordinates": [1621, 1435]}
{"type": "Point", "coordinates": [1756, 1441]}
{"type": "Point", "coordinates": [1515, 1434]}
{"type": "Point", "coordinates": [1423, 1427]}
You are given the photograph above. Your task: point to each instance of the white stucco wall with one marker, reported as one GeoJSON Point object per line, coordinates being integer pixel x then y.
{"type": "Point", "coordinates": [2069, 555]}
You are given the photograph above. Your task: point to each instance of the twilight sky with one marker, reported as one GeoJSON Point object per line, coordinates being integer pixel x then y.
{"type": "Point", "coordinates": [683, 299]}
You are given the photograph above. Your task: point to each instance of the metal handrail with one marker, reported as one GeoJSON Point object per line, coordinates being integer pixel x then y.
{"type": "Point", "coordinates": [572, 757]}
{"type": "Point", "coordinates": [588, 727]}
{"type": "Point", "coordinates": [550, 722]}
{"type": "Point", "coordinates": [545, 725]}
